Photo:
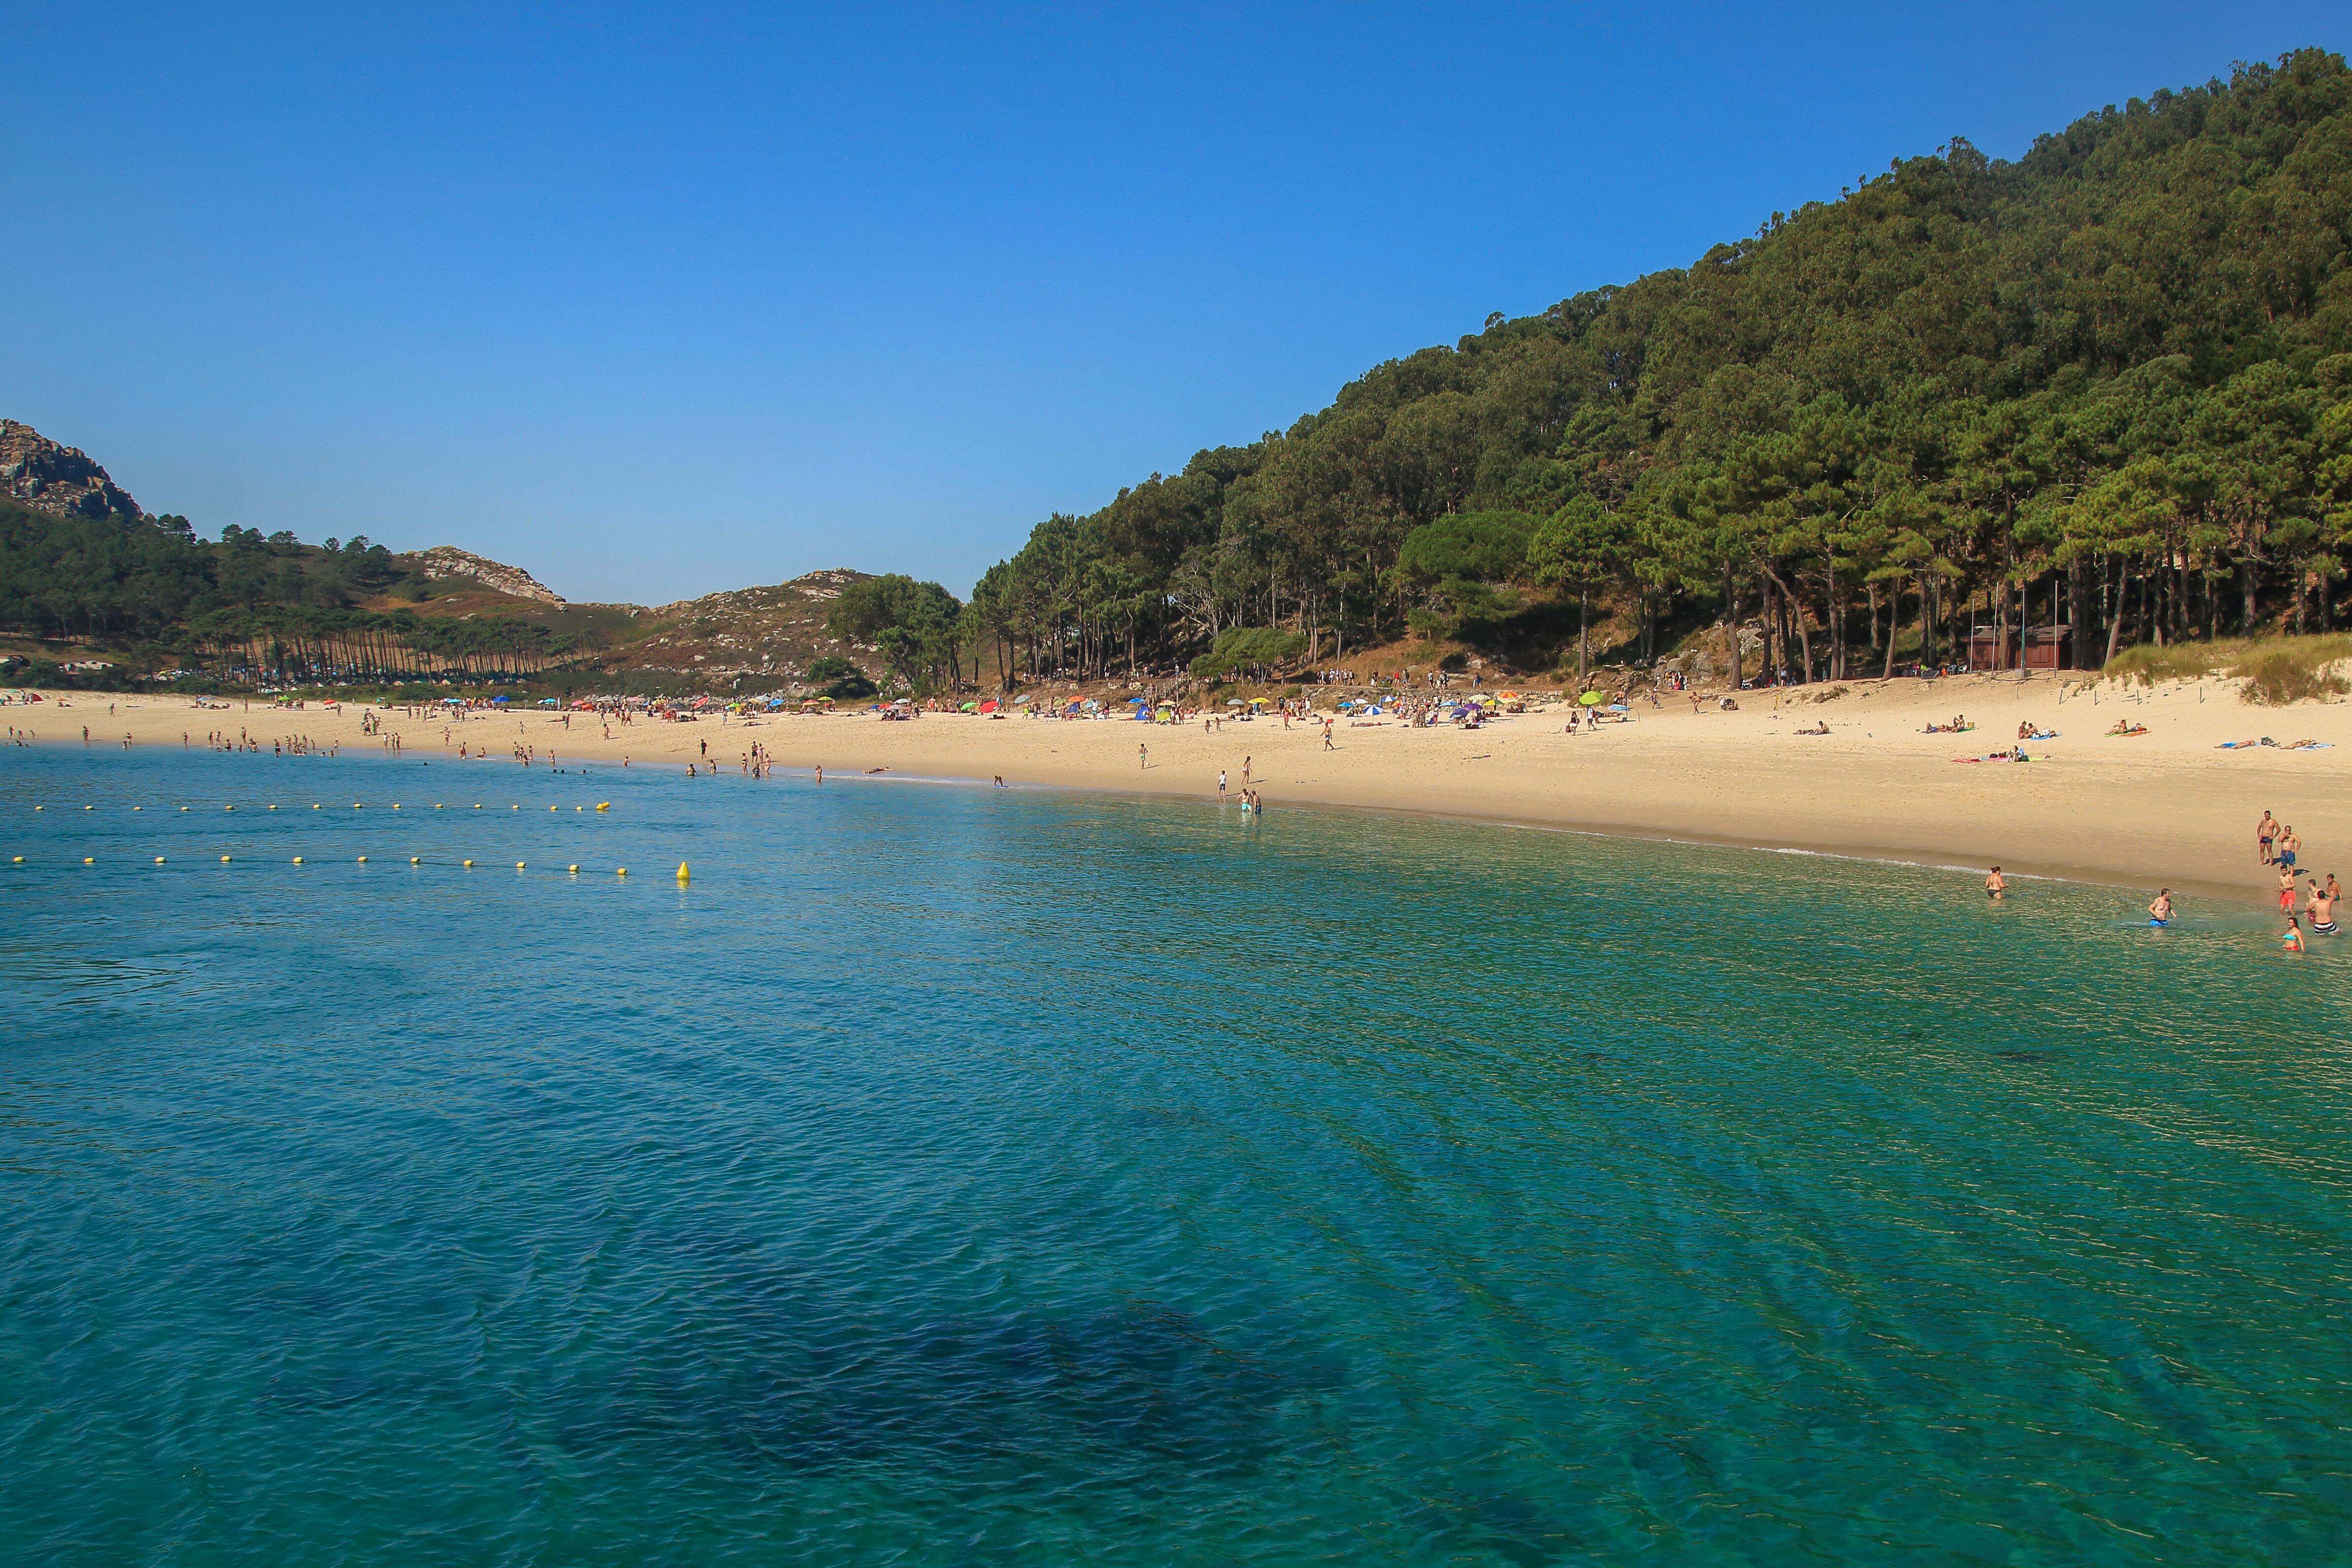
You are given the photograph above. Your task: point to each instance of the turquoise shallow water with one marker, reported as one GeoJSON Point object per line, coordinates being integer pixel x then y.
{"type": "Point", "coordinates": [963, 1176]}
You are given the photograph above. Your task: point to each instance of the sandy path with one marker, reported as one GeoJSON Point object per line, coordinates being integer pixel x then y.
{"type": "Point", "coordinates": [2164, 807]}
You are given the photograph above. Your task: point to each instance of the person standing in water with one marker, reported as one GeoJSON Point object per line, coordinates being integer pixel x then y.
{"type": "Point", "coordinates": [2292, 938]}
{"type": "Point", "coordinates": [2161, 911]}
{"type": "Point", "coordinates": [2321, 910]}
{"type": "Point", "coordinates": [1996, 884]}
{"type": "Point", "coordinates": [1221, 786]}
{"type": "Point", "coordinates": [2287, 888]}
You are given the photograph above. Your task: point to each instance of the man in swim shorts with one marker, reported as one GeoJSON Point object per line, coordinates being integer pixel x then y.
{"type": "Point", "coordinates": [2323, 911]}
{"type": "Point", "coordinates": [2289, 847]}
{"type": "Point", "coordinates": [2161, 911]}
{"type": "Point", "coordinates": [2266, 831]}
{"type": "Point", "coordinates": [2286, 889]}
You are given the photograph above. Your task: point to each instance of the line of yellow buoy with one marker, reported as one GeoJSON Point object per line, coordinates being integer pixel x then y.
{"type": "Point", "coordinates": [684, 875]}
{"type": "Point", "coordinates": [361, 805]}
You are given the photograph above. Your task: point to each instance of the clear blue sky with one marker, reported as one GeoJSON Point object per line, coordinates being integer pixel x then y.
{"type": "Point", "coordinates": [659, 299]}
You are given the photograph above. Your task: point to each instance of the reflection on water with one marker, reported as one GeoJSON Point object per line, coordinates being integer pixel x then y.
{"type": "Point", "coordinates": [990, 1176]}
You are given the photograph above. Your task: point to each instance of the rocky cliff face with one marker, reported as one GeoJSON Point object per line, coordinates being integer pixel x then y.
{"type": "Point", "coordinates": [40, 473]}
{"type": "Point", "coordinates": [444, 561]}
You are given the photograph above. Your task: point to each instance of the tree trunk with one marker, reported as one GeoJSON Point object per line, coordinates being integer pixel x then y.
{"type": "Point", "coordinates": [1583, 617]}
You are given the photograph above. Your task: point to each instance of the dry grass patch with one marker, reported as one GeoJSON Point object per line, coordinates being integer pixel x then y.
{"type": "Point", "coordinates": [2276, 670]}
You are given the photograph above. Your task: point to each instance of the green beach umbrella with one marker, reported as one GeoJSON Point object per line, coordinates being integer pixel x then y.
{"type": "Point", "coordinates": [1590, 700]}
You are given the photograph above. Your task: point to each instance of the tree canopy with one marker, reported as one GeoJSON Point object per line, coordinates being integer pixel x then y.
{"type": "Point", "coordinates": [2104, 384]}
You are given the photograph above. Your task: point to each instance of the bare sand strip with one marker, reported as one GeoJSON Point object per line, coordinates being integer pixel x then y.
{"type": "Point", "coordinates": [2163, 807]}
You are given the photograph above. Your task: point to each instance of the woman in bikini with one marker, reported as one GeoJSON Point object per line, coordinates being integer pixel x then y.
{"type": "Point", "coordinates": [2291, 938]}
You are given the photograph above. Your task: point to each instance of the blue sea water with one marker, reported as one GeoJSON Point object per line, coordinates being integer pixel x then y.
{"type": "Point", "coordinates": [965, 1176]}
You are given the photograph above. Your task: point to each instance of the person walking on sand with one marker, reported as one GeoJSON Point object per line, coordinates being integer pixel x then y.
{"type": "Point", "coordinates": [1996, 884]}
{"type": "Point", "coordinates": [2161, 912]}
{"type": "Point", "coordinates": [1142, 756]}
{"type": "Point", "coordinates": [1246, 773]}
{"type": "Point", "coordinates": [2265, 832]}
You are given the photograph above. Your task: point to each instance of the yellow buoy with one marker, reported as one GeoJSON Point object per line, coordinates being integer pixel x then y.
{"type": "Point", "coordinates": [45, 808]}
{"type": "Point", "coordinates": [138, 808]}
{"type": "Point", "coordinates": [515, 807]}
{"type": "Point", "coordinates": [355, 806]}
{"type": "Point", "coordinates": [159, 859]}
{"type": "Point", "coordinates": [551, 809]}
{"type": "Point", "coordinates": [518, 865]}
{"type": "Point", "coordinates": [224, 859]}
{"type": "Point", "coordinates": [273, 806]}
{"type": "Point", "coordinates": [604, 805]}
{"type": "Point", "coordinates": [573, 869]}
{"type": "Point", "coordinates": [182, 808]}
{"type": "Point", "coordinates": [228, 808]}
{"type": "Point", "coordinates": [436, 806]}
{"type": "Point", "coordinates": [88, 861]}
{"type": "Point", "coordinates": [395, 805]}
{"type": "Point", "coordinates": [314, 805]}
{"type": "Point", "coordinates": [18, 861]}
{"type": "Point", "coordinates": [469, 864]}
{"type": "Point", "coordinates": [477, 805]}
{"type": "Point", "coordinates": [89, 809]}
{"type": "Point", "coordinates": [362, 860]}
{"type": "Point", "coordinates": [417, 859]}
{"type": "Point", "coordinates": [620, 870]}
{"type": "Point", "coordinates": [682, 874]}
{"type": "Point", "coordinates": [297, 859]}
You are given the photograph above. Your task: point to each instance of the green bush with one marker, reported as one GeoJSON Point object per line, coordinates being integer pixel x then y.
{"type": "Point", "coordinates": [1249, 647]}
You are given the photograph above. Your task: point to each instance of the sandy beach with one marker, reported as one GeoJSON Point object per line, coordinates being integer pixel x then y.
{"type": "Point", "coordinates": [2165, 807]}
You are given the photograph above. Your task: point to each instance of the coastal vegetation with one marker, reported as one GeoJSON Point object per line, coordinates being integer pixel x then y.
{"type": "Point", "coordinates": [2104, 385]}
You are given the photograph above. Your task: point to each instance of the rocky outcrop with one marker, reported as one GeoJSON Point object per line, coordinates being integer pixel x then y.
{"type": "Point", "coordinates": [38, 472]}
{"type": "Point", "coordinates": [445, 561]}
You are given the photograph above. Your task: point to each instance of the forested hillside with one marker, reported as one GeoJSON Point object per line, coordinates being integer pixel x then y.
{"type": "Point", "coordinates": [2108, 381]}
